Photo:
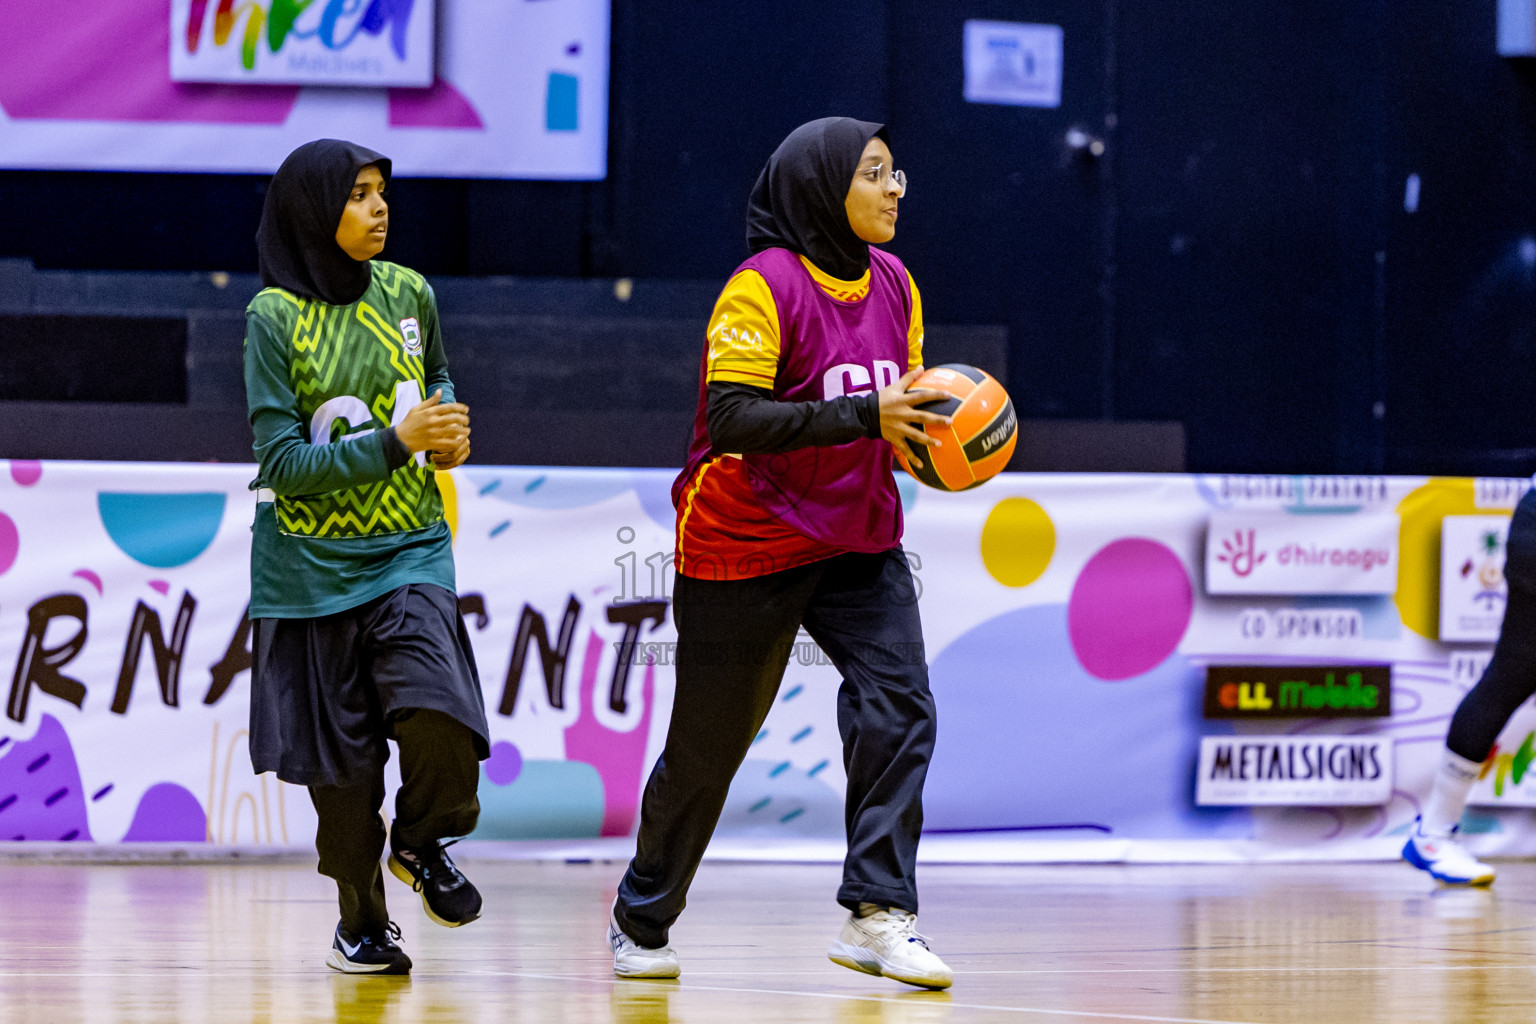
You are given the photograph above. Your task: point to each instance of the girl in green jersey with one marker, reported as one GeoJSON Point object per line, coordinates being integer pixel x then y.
{"type": "Point", "coordinates": [356, 630]}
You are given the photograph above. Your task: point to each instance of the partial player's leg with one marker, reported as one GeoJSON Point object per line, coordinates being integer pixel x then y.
{"type": "Point", "coordinates": [416, 654]}
{"type": "Point", "coordinates": [440, 776]}
{"type": "Point", "coordinates": [317, 724]}
{"type": "Point", "coordinates": [864, 615]}
{"type": "Point", "coordinates": [1509, 680]}
{"type": "Point", "coordinates": [350, 839]}
{"type": "Point", "coordinates": [734, 638]}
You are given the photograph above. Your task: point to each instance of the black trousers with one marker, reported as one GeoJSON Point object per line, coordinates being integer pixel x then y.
{"type": "Point", "coordinates": [734, 641]}
{"type": "Point", "coordinates": [324, 689]}
{"type": "Point", "coordinates": [1510, 678]}
{"type": "Point", "coordinates": [439, 779]}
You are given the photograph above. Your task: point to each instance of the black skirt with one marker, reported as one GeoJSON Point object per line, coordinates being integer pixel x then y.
{"type": "Point", "coordinates": [323, 689]}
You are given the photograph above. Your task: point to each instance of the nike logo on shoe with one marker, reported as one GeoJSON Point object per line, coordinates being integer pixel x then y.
{"type": "Point", "coordinates": [348, 948]}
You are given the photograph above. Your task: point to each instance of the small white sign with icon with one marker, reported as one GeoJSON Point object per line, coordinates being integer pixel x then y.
{"type": "Point", "coordinates": [1284, 553]}
{"type": "Point", "coordinates": [1013, 63]}
{"type": "Point", "coordinates": [1472, 587]}
{"type": "Point", "coordinates": [1294, 771]}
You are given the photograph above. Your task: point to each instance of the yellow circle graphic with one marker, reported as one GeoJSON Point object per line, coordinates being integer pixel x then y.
{"type": "Point", "coordinates": [450, 501]}
{"type": "Point", "coordinates": [1017, 542]}
{"type": "Point", "coordinates": [1418, 544]}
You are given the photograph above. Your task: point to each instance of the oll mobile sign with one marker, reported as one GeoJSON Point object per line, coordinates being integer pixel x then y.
{"type": "Point", "coordinates": [303, 42]}
{"type": "Point", "coordinates": [1304, 771]}
{"type": "Point", "coordinates": [1270, 553]}
{"type": "Point", "coordinates": [1269, 691]}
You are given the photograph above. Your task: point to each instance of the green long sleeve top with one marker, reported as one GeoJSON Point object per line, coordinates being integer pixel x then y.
{"type": "Point", "coordinates": [345, 513]}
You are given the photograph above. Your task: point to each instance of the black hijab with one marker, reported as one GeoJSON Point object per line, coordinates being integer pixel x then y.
{"type": "Point", "coordinates": [296, 242]}
{"type": "Point", "coordinates": [797, 203]}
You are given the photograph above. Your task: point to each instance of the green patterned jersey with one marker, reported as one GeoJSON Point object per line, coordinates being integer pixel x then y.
{"type": "Point", "coordinates": [352, 372]}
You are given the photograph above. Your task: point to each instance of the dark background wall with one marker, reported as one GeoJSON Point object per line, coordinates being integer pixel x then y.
{"type": "Point", "coordinates": [1239, 260]}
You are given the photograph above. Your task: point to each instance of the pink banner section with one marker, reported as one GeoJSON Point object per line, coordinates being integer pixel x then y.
{"type": "Point", "coordinates": [79, 60]}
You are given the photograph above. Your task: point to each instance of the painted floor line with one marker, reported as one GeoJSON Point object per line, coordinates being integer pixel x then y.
{"type": "Point", "coordinates": [905, 1000]}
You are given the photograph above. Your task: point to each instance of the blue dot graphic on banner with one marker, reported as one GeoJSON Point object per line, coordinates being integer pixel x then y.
{"type": "Point", "coordinates": [773, 799]}
{"type": "Point", "coordinates": [541, 488]}
{"type": "Point", "coordinates": [561, 102]}
{"type": "Point", "coordinates": [162, 531]}
{"type": "Point", "coordinates": [541, 800]}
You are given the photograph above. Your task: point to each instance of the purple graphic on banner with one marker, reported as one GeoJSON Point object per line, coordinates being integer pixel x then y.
{"type": "Point", "coordinates": [619, 757]}
{"type": "Point", "coordinates": [504, 765]}
{"type": "Point", "coordinates": [10, 542]}
{"type": "Point", "coordinates": [110, 60]}
{"type": "Point", "coordinates": [26, 472]}
{"type": "Point", "coordinates": [1129, 608]}
{"type": "Point", "coordinates": [440, 106]}
{"type": "Point", "coordinates": [92, 578]}
{"type": "Point", "coordinates": [167, 813]}
{"type": "Point", "coordinates": [40, 793]}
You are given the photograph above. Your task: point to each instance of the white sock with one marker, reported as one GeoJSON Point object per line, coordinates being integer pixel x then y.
{"type": "Point", "coordinates": [1448, 798]}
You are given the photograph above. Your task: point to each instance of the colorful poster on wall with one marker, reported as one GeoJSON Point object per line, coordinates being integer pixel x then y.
{"type": "Point", "coordinates": [1067, 635]}
{"type": "Point", "coordinates": [1013, 63]}
{"type": "Point", "coordinates": [487, 88]}
{"type": "Point", "coordinates": [335, 42]}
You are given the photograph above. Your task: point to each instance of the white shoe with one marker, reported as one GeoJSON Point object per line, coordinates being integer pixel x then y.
{"type": "Point", "coordinates": [631, 960]}
{"type": "Point", "coordinates": [1444, 858]}
{"type": "Point", "coordinates": [886, 943]}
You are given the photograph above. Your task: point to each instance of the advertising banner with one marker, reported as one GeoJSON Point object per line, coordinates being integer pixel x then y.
{"type": "Point", "coordinates": [1298, 691]}
{"type": "Point", "coordinates": [451, 88]}
{"type": "Point", "coordinates": [1304, 771]}
{"type": "Point", "coordinates": [1473, 591]}
{"type": "Point", "coordinates": [1067, 637]}
{"type": "Point", "coordinates": [1257, 553]}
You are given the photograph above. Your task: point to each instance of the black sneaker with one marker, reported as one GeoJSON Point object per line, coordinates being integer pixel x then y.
{"type": "Point", "coordinates": [450, 899]}
{"type": "Point", "coordinates": [368, 953]}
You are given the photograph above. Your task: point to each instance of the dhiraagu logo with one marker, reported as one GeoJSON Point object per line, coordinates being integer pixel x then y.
{"type": "Point", "coordinates": [304, 42]}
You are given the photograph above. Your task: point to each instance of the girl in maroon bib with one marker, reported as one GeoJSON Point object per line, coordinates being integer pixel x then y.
{"type": "Point", "coordinates": [788, 518]}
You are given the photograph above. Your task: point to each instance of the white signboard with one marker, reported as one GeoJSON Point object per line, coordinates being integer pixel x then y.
{"type": "Point", "coordinates": [333, 42]}
{"type": "Point", "coordinates": [1281, 553]}
{"type": "Point", "coordinates": [1013, 63]}
{"type": "Point", "coordinates": [1473, 591]}
{"type": "Point", "coordinates": [1304, 771]}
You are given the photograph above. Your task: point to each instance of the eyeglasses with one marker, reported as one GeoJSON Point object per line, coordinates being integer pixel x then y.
{"type": "Point", "coordinates": [889, 181]}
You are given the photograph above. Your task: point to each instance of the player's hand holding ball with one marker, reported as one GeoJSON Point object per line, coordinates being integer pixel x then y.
{"type": "Point", "coordinates": [901, 418]}
{"type": "Point", "coordinates": [439, 427]}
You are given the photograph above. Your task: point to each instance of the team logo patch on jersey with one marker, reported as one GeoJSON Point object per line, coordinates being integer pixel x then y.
{"type": "Point", "coordinates": [410, 330]}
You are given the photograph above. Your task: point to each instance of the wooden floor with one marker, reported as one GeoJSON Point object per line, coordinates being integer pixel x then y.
{"type": "Point", "coordinates": [1307, 943]}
